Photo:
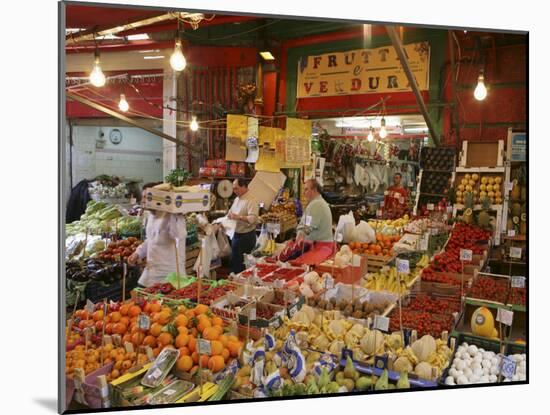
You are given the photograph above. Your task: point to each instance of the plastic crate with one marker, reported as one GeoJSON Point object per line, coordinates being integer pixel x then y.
{"type": "Point", "coordinates": [96, 291]}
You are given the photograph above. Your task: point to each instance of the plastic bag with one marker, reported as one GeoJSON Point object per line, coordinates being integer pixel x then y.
{"type": "Point", "coordinates": [346, 224]}
{"type": "Point", "coordinates": [363, 233]}
{"type": "Point", "coordinates": [262, 239]}
{"type": "Point", "coordinates": [223, 244]}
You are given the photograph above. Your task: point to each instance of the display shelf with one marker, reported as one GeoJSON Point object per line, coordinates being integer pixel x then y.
{"type": "Point", "coordinates": [484, 303]}
{"type": "Point", "coordinates": [498, 169]}
{"type": "Point", "coordinates": [460, 206]}
{"type": "Point", "coordinates": [466, 335]}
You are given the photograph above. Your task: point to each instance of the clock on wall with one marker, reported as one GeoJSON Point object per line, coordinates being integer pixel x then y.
{"type": "Point", "coordinates": [115, 136]}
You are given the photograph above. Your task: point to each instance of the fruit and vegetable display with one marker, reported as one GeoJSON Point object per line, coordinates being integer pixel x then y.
{"type": "Point", "coordinates": [389, 226]}
{"type": "Point", "coordinates": [387, 278]}
{"type": "Point", "coordinates": [170, 327]}
{"type": "Point", "coordinates": [100, 218]}
{"type": "Point", "coordinates": [103, 190]}
{"type": "Point", "coordinates": [382, 247]}
{"type": "Point", "coordinates": [93, 269]}
{"type": "Point", "coordinates": [488, 288]}
{"type": "Point", "coordinates": [121, 249]}
{"type": "Point", "coordinates": [463, 236]}
{"type": "Point", "coordinates": [479, 187]}
{"type": "Point", "coordinates": [294, 249]}
{"type": "Point", "coordinates": [281, 213]}
{"type": "Point", "coordinates": [355, 309]}
{"type": "Point", "coordinates": [421, 321]}
{"type": "Point", "coordinates": [435, 183]}
{"type": "Point", "coordinates": [210, 290]}
{"type": "Point", "coordinates": [473, 364]}
{"type": "Point", "coordinates": [437, 158]}
{"type": "Point", "coordinates": [517, 296]}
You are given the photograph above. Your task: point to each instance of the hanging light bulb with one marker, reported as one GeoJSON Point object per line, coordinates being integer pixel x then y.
{"type": "Point", "coordinates": [370, 137]}
{"type": "Point", "coordinates": [97, 78]}
{"type": "Point", "coordinates": [177, 60]}
{"type": "Point", "coordinates": [194, 126]}
{"type": "Point", "coordinates": [383, 133]}
{"type": "Point", "coordinates": [123, 104]}
{"type": "Point", "coordinates": [480, 93]}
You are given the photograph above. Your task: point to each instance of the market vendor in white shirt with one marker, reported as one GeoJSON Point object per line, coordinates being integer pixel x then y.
{"type": "Point", "coordinates": [162, 230]}
{"type": "Point", "coordinates": [244, 212]}
{"type": "Point", "coordinates": [316, 222]}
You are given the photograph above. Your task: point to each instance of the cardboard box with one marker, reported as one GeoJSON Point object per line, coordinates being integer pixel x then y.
{"type": "Point", "coordinates": [346, 275]}
{"type": "Point", "coordinates": [226, 306]}
{"type": "Point", "coordinates": [177, 202]}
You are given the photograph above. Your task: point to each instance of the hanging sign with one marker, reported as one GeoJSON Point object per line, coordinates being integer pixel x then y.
{"type": "Point", "coordinates": [362, 71]}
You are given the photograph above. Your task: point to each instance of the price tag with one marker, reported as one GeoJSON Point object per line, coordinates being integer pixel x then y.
{"type": "Point", "coordinates": [169, 392]}
{"type": "Point", "coordinates": [379, 213]}
{"type": "Point", "coordinates": [430, 206]}
{"type": "Point", "coordinates": [381, 323]}
{"type": "Point", "coordinates": [507, 367]}
{"type": "Point", "coordinates": [515, 252]}
{"type": "Point", "coordinates": [434, 231]}
{"type": "Point", "coordinates": [402, 265]}
{"type": "Point", "coordinates": [381, 203]}
{"type": "Point", "coordinates": [424, 242]}
{"type": "Point", "coordinates": [445, 217]}
{"type": "Point", "coordinates": [292, 310]}
{"type": "Point", "coordinates": [89, 306]}
{"type": "Point", "coordinates": [518, 282]}
{"type": "Point", "coordinates": [156, 373]}
{"type": "Point", "coordinates": [509, 186]}
{"type": "Point", "coordinates": [450, 210]}
{"type": "Point", "coordinates": [505, 316]}
{"type": "Point", "coordinates": [308, 220]}
{"type": "Point", "coordinates": [204, 347]}
{"type": "Point", "coordinates": [466, 255]}
{"type": "Point", "coordinates": [381, 362]}
{"type": "Point", "coordinates": [144, 322]}
{"type": "Point", "coordinates": [261, 205]}
{"type": "Point", "coordinates": [401, 200]}
{"type": "Point", "coordinates": [252, 314]}
{"type": "Point", "coordinates": [511, 233]}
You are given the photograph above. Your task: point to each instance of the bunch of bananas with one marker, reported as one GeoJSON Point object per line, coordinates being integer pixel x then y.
{"type": "Point", "coordinates": [386, 280]}
{"type": "Point", "coordinates": [269, 248]}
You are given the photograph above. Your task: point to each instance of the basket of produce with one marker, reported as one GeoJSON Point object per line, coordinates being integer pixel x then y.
{"type": "Point", "coordinates": [490, 288]}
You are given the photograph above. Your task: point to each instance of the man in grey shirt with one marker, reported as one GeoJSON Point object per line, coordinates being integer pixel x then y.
{"type": "Point", "coordinates": [316, 222]}
{"type": "Point", "coordinates": [245, 212]}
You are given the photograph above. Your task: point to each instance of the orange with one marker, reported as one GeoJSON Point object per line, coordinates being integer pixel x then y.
{"type": "Point", "coordinates": [181, 320]}
{"type": "Point", "coordinates": [216, 347]}
{"type": "Point", "coordinates": [182, 340]}
{"type": "Point", "coordinates": [184, 363]}
{"type": "Point", "coordinates": [217, 321]}
{"type": "Point", "coordinates": [155, 329]}
{"type": "Point", "coordinates": [149, 341]}
{"type": "Point", "coordinates": [99, 326]}
{"type": "Point", "coordinates": [201, 309]}
{"type": "Point", "coordinates": [124, 309]}
{"type": "Point", "coordinates": [134, 311]}
{"type": "Point", "coordinates": [183, 330]}
{"type": "Point", "coordinates": [154, 307]}
{"type": "Point", "coordinates": [194, 332]}
{"type": "Point", "coordinates": [184, 351]}
{"type": "Point", "coordinates": [127, 338]}
{"type": "Point", "coordinates": [115, 316]}
{"type": "Point", "coordinates": [156, 351]}
{"type": "Point", "coordinates": [125, 320]}
{"type": "Point", "coordinates": [211, 333]}
{"type": "Point", "coordinates": [109, 328]}
{"type": "Point", "coordinates": [164, 317]}
{"type": "Point", "coordinates": [192, 344]}
{"type": "Point", "coordinates": [126, 364]}
{"type": "Point", "coordinates": [219, 329]}
{"type": "Point", "coordinates": [203, 361]}
{"type": "Point", "coordinates": [195, 357]}
{"type": "Point", "coordinates": [119, 328]}
{"type": "Point", "coordinates": [224, 339]}
{"type": "Point", "coordinates": [234, 348]}
{"type": "Point", "coordinates": [216, 363]}
{"type": "Point", "coordinates": [115, 374]}
{"type": "Point", "coordinates": [165, 338]}
{"type": "Point", "coordinates": [137, 338]}
{"type": "Point", "coordinates": [97, 315]}
{"type": "Point", "coordinates": [233, 338]}
{"type": "Point", "coordinates": [203, 324]}
{"type": "Point", "coordinates": [226, 354]}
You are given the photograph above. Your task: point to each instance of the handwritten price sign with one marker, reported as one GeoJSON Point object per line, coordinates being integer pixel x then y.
{"type": "Point", "coordinates": [466, 255]}
{"type": "Point", "coordinates": [508, 367]}
{"type": "Point", "coordinates": [402, 265]}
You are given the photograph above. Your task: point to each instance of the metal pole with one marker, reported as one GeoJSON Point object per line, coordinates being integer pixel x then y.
{"type": "Point", "coordinates": [396, 41]}
{"type": "Point", "coordinates": [124, 118]}
{"type": "Point", "coordinates": [453, 72]}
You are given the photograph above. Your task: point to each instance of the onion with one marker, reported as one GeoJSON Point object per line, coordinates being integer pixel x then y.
{"type": "Point", "coordinates": [478, 372]}
{"type": "Point", "coordinates": [460, 365]}
{"type": "Point", "coordinates": [449, 380]}
{"type": "Point", "coordinates": [452, 372]}
{"type": "Point", "coordinates": [486, 363]}
{"type": "Point", "coordinates": [478, 358]}
{"type": "Point", "coordinates": [468, 372]}
{"type": "Point", "coordinates": [472, 349]}
{"type": "Point", "coordinates": [492, 378]}
{"type": "Point", "coordinates": [462, 380]}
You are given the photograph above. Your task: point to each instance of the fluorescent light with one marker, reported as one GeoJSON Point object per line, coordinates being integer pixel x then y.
{"type": "Point", "coordinates": [267, 56]}
{"type": "Point", "coordinates": [73, 30]}
{"type": "Point", "coordinates": [154, 57]}
{"type": "Point", "coordinates": [140, 36]}
{"type": "Point", "coordinates": [149, 51]}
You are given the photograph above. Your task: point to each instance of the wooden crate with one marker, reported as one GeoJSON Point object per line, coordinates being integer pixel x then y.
{"type": "Point", "coordinates": [375, 262]}
{"type": "Point", "coordinates": [481, 154]}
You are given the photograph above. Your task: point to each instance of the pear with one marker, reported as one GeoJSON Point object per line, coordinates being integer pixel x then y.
{"type": "Point", "coordinates": [349, 370]}
{"type": "Point", "coordinates": [382, 382]}
{"type": "Point", "coordinates": [363, 383]}
{"type": "Point", "coordinates": [349, 384]}
{"type": "Point", "coordinates": [340, 378]}
{"type": "Point", "coordinates": [403, 382]}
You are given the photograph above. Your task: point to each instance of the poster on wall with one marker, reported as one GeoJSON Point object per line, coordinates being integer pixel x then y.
{"type": "Point", "coordinates": [362, 71]}
{"type": "Point", "coordinates": [237, 133]}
